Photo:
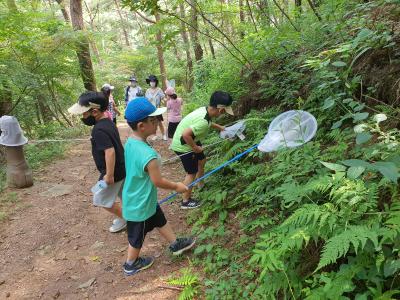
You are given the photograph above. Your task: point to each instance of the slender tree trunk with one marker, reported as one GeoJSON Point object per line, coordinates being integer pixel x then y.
{"type": "Point", "coordinates": [12, 6]}
{"type": "Point", "coordinates": [314, 6]}
{"type": "Point", "coordinates": [93, 27]}
{"type": "Point", "coordinates": [160, 54]}
{"type": "Point", "coordinates": [64, 11]}
{"type": "Point", "coordinates": [251, 15]}
{"type": "Point", "coordinates": [297, 4]}
{"type": "Point", "coordinates": [241, 18]}
{"type": "Point", "coordinates": [44, 109]}
{"type": "Point", "coordinates": [5, 99]}
{"type": "Point", "coordinates": [198, 51]}
{"type": "Point", "coordinates": [186, 43]}
{"type": "Point", "coordinates": [82, 51]}
{"type": "Point", "coordinates": [124, 31]}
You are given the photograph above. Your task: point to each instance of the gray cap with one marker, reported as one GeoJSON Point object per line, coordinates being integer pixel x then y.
{"type": "Point", "coordinates": [11, 133]}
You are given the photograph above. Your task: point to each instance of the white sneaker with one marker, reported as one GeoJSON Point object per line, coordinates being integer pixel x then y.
{"type": "Point", "coordinates": [117, 225]}
{"type": "Point", "coordinates": [165, 137]}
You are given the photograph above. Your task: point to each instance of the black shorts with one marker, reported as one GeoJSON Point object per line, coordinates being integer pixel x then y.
{"type": "Point", "coordinates": [190, 161]}
{"type": "Point", "coordinates": [137, 230]}
{"type": "Point", "coordinates": [160, 118]}
{"type": "Point", "coordinates": [172, 128]}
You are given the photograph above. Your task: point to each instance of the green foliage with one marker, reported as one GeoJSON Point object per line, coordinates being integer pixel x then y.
{"type": "Point", "coordinates": [190, 283]}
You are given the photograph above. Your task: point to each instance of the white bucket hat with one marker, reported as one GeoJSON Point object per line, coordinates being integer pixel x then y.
{"type": "Point", "coordinates": [11, 133]}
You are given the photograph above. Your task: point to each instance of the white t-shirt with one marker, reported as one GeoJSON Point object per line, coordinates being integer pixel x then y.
{"type": "Point", "coordinates": [132, 93]}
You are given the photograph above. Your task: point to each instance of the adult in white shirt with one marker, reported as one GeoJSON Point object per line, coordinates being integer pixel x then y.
{"type": "Point", "coordinates": [155, 95]}
{"type": "Point", "coordinates": [132, 91]}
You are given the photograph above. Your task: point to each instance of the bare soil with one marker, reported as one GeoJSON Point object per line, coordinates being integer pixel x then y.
{"type": "Point", "coordinates": [58, 245]}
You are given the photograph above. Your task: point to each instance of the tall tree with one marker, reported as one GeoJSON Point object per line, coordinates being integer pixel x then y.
{"type": "Point", "coordinates": [82, 51]}
{"type": "Point", "coordinates": [186, 44]}
{"type": "Point", "coordinates": [124, 31]}
{"type": "Point", "coordinates": [12, 6]}
{"type": "Point", "coordinates": [160, 52]}
{"type": "Point", "coordinates": [198, 51]}
{"type": "Point", "coordinates": [64, 11]}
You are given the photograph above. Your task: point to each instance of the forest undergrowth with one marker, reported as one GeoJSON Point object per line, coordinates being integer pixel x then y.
{"type": "Point", "coordinates": [321, 221]}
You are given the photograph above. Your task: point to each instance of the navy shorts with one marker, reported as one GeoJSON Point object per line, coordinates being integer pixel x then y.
{"type": "Point", "coordinates": [137, 230]}
{"type": "Point", "coordinates": [190, 161]}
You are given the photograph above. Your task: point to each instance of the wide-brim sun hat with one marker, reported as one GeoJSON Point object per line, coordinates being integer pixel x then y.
{"type": "Point", "coordinates": [151, 78]}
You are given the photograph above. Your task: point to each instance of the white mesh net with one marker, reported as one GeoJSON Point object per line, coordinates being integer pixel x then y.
{"type": "Point", "coordinates": [290, 129]}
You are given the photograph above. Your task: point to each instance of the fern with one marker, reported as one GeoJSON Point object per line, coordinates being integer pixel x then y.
{"type": "Point", "coordinates": [189, 281]}
{"type": "Point", "coordinates": [339, 245]}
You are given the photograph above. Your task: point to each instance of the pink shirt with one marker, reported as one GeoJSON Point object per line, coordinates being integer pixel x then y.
{"type": "Point", "coordinates": [174, 107]}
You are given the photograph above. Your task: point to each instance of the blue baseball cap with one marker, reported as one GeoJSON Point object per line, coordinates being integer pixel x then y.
{"type": "Point", "coordinates": [141, 108]}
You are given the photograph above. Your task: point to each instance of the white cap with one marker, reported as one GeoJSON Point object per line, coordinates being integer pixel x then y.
{"type": "Point", "coordinates": [107, 86]}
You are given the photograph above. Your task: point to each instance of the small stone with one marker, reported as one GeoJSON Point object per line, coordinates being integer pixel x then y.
{"type": "Point", "coordinates": [56, 295]}
{"type": "Point", "coordinates": [87, 283]}
{"type": "Point", "coordinates": [97, 245]}
{"type": "Point", "coordinates": [2, 282]}
{"type": "Point", "coordinates": [8, 294]}
{"type": "Point", "coordinates": [76, 248]}
{"type": "Point", "coordinates": [73, 277]}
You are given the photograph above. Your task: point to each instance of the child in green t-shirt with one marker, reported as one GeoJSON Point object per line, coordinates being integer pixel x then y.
{"type": "Point", "coordinates": [188, 136]}
{"type": "Point", "coordinates": [140, 208]}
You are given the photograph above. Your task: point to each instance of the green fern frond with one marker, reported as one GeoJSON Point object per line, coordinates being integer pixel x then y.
{"type": "Point", "coordinates": [339, 245]}
{"type": "Point", "coordinates": [187, 278]}
{"type": "Point", "coordinates": [188, 293]}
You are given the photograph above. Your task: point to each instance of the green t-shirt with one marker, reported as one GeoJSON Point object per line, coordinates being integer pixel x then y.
{"type": "Point", "coordinates": [139, 196]}
{"type": "Point", "coordinates": [199, 121]}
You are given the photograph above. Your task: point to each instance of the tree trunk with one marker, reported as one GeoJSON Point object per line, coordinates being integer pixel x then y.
{"type": "Point", "coordinates": [12, 7]}
{"type": "Point", "coordinates": [82, 51]}
{"type": "Point", "coordinates": [297, 4]}
{"type": "Point", "coordinates": [5, 99]}
{"type": "Point", "coordinates": [124, 31]}
{"type": "Point", "coordinates": [241, 18]}
{"type": "Point", "coordinates": [186, 43]}
{"type": "Point", "coordinates": [93, 27]}
{"type": "Point", "coordinates": [44, 109]}
{"type": "Point", "coordinates": [160, 54]}
{"type": "Point", "coordinates": [198, 51]}
{"type": "Point", "coordinates": [64, 11]}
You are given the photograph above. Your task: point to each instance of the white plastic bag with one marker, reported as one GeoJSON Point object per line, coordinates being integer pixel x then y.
{"type": "Point", "coordinates": [234, 130]}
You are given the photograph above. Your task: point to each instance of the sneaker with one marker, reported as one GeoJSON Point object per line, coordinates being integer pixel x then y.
{"type": "Point", "coordinates": [142, 263]}
{"type": "Point", "coordinates": [181, 245]}
{"type": "Point", "coordinates": [191, 203]}
{"type": "Point", "coordinates": [117, 225]}
{"type": "Point", "coordinates": [165, 137]}
{"type": "Point", "coordinates": [154, 138]}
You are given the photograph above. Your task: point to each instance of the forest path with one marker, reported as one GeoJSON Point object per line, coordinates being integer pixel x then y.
{"type": "Point", "coordinates": [59, 246]}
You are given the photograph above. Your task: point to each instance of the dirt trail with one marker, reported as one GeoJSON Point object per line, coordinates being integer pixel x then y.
{"type": "Point", "coordinates": [59, 247]}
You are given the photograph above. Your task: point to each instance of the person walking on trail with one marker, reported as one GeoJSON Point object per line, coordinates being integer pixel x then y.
{"type": "Point", "coordinates": [133, 90]}
{"type": "Point", "coordinates": [174, 108]}
{"type": "Point", "coordinates": [112, 109]}
{"type": "Point", "coordinates": [155, 95]}
{"type": "Point", "coordinates": [188, 136]}
{"type": "Point", "coordinates": [143, 177]}
{"type": "Point", "coordinates": [107, 151]}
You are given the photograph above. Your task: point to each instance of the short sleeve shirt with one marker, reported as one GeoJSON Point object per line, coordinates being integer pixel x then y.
{"type": "Point", "coordinates": [199, 121]}
{"type": "Point", "coordinates": [139, 193]}
{"type": "Point", "coordinates": [155, 96]}
{"type": "Point", "coordinates": [104, 136]}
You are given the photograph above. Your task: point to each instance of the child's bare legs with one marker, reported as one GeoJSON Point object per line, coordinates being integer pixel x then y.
{"type": "Point", "coordinates": [167, 233]}
{"type": "Point", "coordinates": [115, 209]}
{"type": "Point", "coordinates": [189, 178]}
{"type": "Point", "coordinates": [200, 172]}
{"type": "Point", "coordinates": [133, 253]}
